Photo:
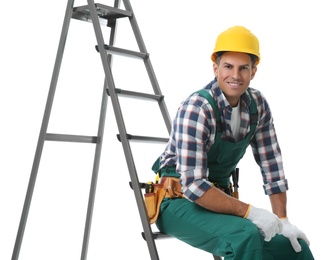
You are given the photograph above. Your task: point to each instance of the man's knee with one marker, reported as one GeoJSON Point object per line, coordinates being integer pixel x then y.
{"type": "Point", "coordinates": [306, 252]}
{"type": "Point", "coordinates": [247, 235]}
{"type": "Point", "coordinates": [253, 234]}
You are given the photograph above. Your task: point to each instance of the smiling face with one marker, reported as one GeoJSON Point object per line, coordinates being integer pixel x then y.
{"type": "Point", "coordinates": [234, 73]}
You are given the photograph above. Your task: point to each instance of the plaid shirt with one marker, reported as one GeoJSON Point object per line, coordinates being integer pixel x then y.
{"type": "Point", "coordinates": [193, 133]}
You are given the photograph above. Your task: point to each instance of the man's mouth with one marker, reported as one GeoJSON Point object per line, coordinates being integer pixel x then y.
{"type": "Point", "coordinates": [234, 85]}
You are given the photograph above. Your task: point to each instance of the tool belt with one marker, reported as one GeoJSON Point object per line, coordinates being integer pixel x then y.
{"type": "Point", "coordinates": [168, 187]}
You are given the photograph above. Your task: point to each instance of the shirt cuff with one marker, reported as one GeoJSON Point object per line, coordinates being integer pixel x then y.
{"type": "Point", "coordinates": [196, 189]}
{"type": "Point", "coordinates": [276, 187]}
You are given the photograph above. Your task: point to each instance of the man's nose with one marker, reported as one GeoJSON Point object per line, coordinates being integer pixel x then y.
{"type": "Point", "coordinates": [235, 74]}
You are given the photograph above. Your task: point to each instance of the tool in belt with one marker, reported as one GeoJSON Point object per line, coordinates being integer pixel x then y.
{"type": "Point", "coordinates": [232, 189]}
{"type": "Point", "coordinates": [227, 190]}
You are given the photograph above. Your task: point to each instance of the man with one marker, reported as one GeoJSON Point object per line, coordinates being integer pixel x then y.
{"type": "Point", "coordinates": [209, 137]}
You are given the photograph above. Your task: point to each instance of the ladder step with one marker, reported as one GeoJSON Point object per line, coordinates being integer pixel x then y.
{"type": "Point", "coordinates": [156, 235]}
{"type": "Point", "coordinates": [143, 138]}
{"type": "Point", "coordinates": [128, 53]}
{"type": "Point", "coordinates": [71, 138]}
{"type": "Point", "coordinates": [104, 12]}
{"type": "Point", "coordinates": [142, 185]}
{"type": "Point", "coordinates": [137, 94]}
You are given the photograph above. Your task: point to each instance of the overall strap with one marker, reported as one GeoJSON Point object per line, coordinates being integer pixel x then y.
{"type": "Point", "coordinates": [213, 103]}
{"type": "Point", "coordinates": [253, 111]}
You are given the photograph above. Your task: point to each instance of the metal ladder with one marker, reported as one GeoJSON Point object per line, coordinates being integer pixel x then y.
{"type": "Point", "coordinates": [99, 14]}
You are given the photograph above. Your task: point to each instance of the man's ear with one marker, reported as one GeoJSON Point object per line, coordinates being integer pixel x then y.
{"type": "Point", "coordinates": [254, 71]}
{"type": "Point", "coordinates": [215, 69]}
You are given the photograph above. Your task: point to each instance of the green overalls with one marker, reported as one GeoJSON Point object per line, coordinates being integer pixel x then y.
{"type": "Point", "coordinates": [224, 156]}
{"type": "Point", "coordinates": [223, 235]}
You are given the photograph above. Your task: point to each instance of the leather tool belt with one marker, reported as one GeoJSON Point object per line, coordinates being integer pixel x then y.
{"type": "Point", "coordinates": [169, 187]}
{"type": "Point", "coordinates": [172, 187]}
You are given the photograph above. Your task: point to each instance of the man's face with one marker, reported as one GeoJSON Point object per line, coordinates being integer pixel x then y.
{"type": "Point", "coordinates": [234, 73]}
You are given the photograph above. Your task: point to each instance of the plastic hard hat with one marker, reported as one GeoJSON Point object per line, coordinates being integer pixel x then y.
{"type": "Point", "coordinates": [238, 39]}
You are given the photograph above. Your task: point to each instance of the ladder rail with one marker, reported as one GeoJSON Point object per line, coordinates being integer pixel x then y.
{"type": "Point", "coordinates": [42, 134]}
{"type": "Point", "coordinates": [122, 130]}
{"type": "Point", "coordinates": [148, 65]}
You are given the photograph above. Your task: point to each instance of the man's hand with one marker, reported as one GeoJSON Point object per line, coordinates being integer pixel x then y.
{"type": "Point", "coordinates": [268, 223]}
{"type": "Point", "coordinates": [292, 232]}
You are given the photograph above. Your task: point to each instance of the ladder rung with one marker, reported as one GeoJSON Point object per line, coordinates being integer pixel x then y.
{"type": "Point", "coordinates": [71, 138]}
{"type": "Point", "coordinates": [103, 11]}
{"type": "Point", "coordinates": [142, 185]}
{"type": "Point", "coordinates": [156, 235]}
{"type": "Point", "coordinates": [124, 52]}
{"type": "Point", "coordinates": [143, 138]}
{"type": "Point", "coordinates": [137, 94]}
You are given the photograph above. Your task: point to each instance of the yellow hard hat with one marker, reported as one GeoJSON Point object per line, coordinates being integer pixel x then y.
{"type": "Point", "coordinates": [238, 39]}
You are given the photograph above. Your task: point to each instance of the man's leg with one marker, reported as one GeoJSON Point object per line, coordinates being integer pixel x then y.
{"type": "Point", "coordinates": [280, 248]}
{"type": "Point", "coordinates": [223, 235]}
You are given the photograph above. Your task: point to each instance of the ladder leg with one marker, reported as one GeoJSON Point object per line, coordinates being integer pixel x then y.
{"type": "Point", "coordinates": [42, 134]}
{"type": "Point", "coordinates": [98, 151]}
{"type": "Point", "coordinates": [94, 177]}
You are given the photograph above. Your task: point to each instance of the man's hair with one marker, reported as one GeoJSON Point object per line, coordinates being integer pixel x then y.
{"type": "Point", "coordinates": [254, 58]}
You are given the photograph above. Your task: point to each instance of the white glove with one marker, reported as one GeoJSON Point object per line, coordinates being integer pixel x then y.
{"type": "Point", "coordinates": [292, 232]}
{"type": "Point", "coordinates": [268, 223]}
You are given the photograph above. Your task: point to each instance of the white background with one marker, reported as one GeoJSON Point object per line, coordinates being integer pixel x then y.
{"type": "Point", "coordinates": [294, 75]}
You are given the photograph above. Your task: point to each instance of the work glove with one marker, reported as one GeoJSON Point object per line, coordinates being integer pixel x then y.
{"type": "Point", "coordinates": [268, 223]}
{"type": "Point", "coordinates": [292, 233]}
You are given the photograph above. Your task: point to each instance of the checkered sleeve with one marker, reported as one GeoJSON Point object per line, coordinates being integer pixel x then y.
{"type": "Point", "coordinates": [193, 127]}
{"type": "Point", "coordinates": [267, 152]}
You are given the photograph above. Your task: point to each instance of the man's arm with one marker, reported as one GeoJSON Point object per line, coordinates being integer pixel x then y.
{"type": "Point", "coordinates": [267, 222]}
{"type": "Point", "coordinates": [217, 201]}
{"type": "Point", "coordinates": [279, 204]}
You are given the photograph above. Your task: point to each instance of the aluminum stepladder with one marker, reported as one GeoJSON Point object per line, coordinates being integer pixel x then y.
{"type": "Point", "coordinates": [99, 14]}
